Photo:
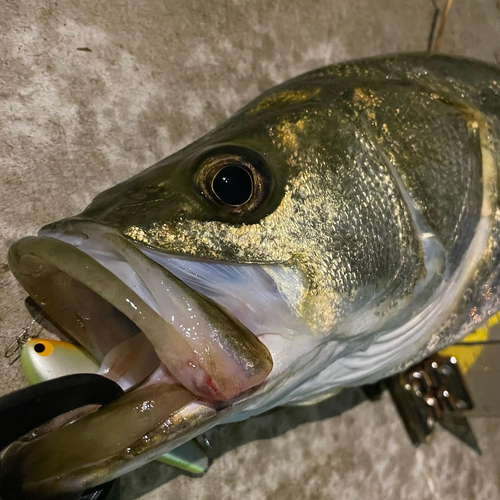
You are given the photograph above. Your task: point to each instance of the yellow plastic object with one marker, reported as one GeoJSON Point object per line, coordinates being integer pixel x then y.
{"type": "Point", "coordinates": [467, 355]}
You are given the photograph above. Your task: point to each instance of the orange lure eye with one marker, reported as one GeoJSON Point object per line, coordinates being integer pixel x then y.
{"type": "Point", "coordinates": [43, 348]}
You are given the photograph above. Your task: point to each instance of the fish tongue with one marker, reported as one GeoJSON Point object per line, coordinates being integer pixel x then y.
{"type": "Point", "coordinates": [130, 362]}
{"type": "Point", "coordinates": [95, 448]}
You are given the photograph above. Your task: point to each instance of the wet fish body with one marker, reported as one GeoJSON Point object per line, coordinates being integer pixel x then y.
{"type": "Point", "coordinates": [339, 228]}
{"type": "Point", "coordinates": [46, 359]}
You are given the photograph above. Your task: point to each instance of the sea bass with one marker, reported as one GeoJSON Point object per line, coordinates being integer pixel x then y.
{"type": "Point", "coordinates": [341, 227]}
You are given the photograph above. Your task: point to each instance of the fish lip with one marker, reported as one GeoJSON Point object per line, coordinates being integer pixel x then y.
{"type": "Point", "coordinates": [55, 247]}
{"type": "Point", "coordinates": [16, 462]}
{"type": "Point", "coordinates": [27, 259]}
{"type": "Point", "coordinates": [64, 237]}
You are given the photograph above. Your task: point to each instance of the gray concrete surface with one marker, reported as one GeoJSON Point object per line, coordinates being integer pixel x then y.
{"type": "Point", "coordinates": [158, 74]}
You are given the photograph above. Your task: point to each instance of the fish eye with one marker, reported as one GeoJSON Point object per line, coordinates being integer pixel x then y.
{"type": "Point", "coordinates": [233, 185]}
{"type": "Point", "coordinates": [236, 182]}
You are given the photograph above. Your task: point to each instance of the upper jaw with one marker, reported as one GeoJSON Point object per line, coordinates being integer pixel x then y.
{"type": "Point", "coordinates": [79, 274]}
{"type": "Point", "coordinates": [206, 349]}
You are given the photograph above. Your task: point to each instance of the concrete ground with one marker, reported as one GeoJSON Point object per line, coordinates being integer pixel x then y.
{"type": "Point", "coordinates": [92, 92]}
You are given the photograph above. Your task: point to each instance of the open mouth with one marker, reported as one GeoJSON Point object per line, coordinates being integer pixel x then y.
{"type": "Point", "coordinates": [183, 359]}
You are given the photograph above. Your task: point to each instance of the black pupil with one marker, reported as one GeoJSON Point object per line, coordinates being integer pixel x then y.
{"type": "Point", "coordinates": [39, 347]}
{"type": "Point", "coordinates": [233, 185]}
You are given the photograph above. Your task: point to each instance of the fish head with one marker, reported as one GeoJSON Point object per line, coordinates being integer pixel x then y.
{"type": "Point", "coordinates": [244, 259]}
{"type": "Point", "coordinates": [282, 187]}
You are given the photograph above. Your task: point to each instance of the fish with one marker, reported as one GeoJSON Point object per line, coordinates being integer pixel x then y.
{"type": "Point", "coordinates": [341, 227]}
{"type": "Point", "coordinates": [45, 359]}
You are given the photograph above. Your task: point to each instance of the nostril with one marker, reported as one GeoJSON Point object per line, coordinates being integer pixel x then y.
{"type": "Point", "coordinates": [138, 195]}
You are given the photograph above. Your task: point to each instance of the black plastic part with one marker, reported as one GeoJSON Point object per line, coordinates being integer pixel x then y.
{"type": "Point", "coordinates": [24, 410]}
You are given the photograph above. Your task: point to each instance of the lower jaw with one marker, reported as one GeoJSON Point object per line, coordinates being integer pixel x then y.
{"type": "Point", "coordinates": [92, 305]}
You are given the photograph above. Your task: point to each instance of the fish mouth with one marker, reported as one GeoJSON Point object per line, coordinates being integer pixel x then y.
{"type": "Point", "coordinates": [184, 360]}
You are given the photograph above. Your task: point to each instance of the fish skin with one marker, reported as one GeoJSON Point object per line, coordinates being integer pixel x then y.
{"type": "Point", "coordinates": [381, 189]}
{"type": "Point", "coordinates": [334, 139]}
